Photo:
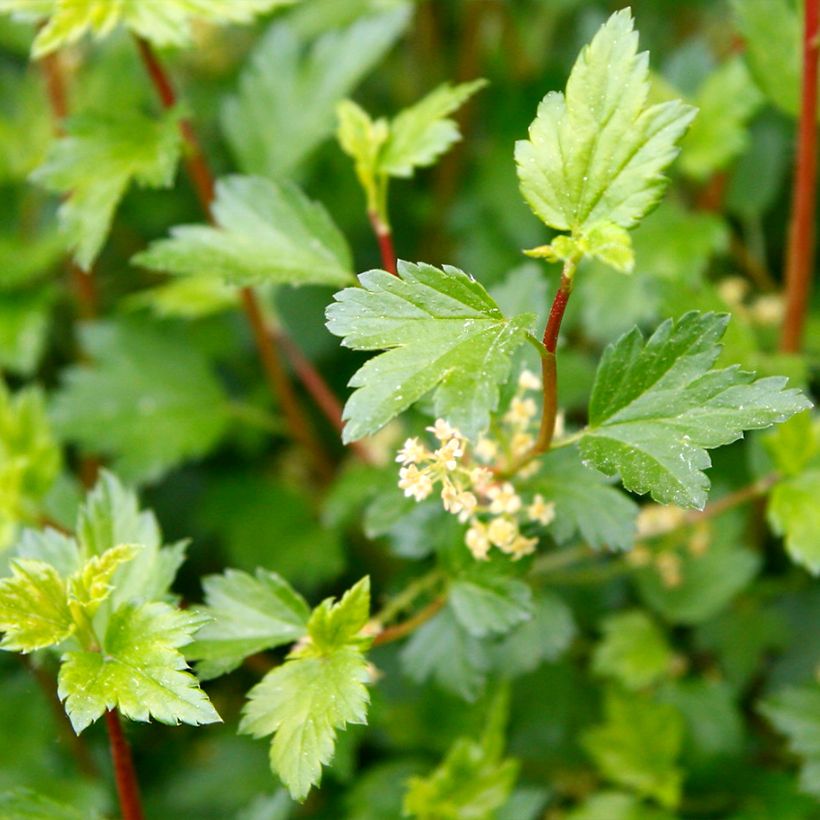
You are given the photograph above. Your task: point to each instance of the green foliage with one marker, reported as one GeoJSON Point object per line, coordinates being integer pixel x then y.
{"type": "Point", "coordinates": [656, 408]}
{"type": "Point", "coordinates": [794, 513]}
{"type": "Point", "coordinates": [247, 616]}
{"type": "Point", "coordinates": [415, 138]}
{"type": "Point", "coordinates": [320, 689]}
{"type": "Point", "coordinates": [167, 23]}
{"type": "Point", "coordinates": [265, 232]}
{"type": "Point", "coordinates": [796, 713]}
{"type": "Point", "coordinates": [96, 162]}
{"type": "Point", "coordinates": [595, 157]}
{"type": "Point", "coordinates": [441, 330]}
{"type": "Point", "coordinates": [291, 86]}
{"type": "Point", "coordinates": [638, 746]}
{"type": "Point", "coordinates": [147, 399]}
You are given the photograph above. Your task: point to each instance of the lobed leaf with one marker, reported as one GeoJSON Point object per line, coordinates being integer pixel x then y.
{"type": "Point", "coordinates": [656, 407]}
{"type": "Point", "coordinates": [442, 332]}
{"type": "Point", "coordinates": [265, 232]}
{"type": "Point", "coordinates": [486, 602]}
{"type": "Point", "coordinates": [139, 670]}
{"type": "Point", "coordinates": [794, 513]}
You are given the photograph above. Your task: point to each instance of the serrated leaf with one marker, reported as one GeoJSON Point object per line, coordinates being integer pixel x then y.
{"type": "Point", "coordinates": [91, 585]}
{"type": "Point", "coordinates": [638, 746]}
{"type": "Point", "coordinates": [34, 609]}
{"type": "Point", "coordinates": [486, 601]}
{"type": "Point", "coordinates": [248, 614]}
{"type": "Point", "coordinates": [320, 689]}
{"type": "Point", "coordinates": [598, 153]}
{"type": "Point", "coordinates": [443, 651]}
{"type": "Point", "coordinates": [363, 138]}
{"type": "Point", "coordinates": [147, 399]}
{"type": "Point", "coordinates": [164, 24]}
{"type": "Point", "coordinates": [139, 670]}
{"type": "Point", "coordinates": [442, 332]}
{"type": "Point", "coordinates": [726, 101]}
{"type": "Point", "coordinates": [284, 107]}
{"type": "Point", "coordinates": [420, 134]}
{"type": "Point", "coordinates": [586, 504]}
{"type": "Point", "coordinates": [794, 513]}
{"type": "Point", "coordinates": [796, 713]}
{"type": "Point", "coordinates": [265, 232]}
{"type": "Point", "coordinates": [656, 407]}
{"type": "Point", "coordinates": [96, 162]}
{"type": "Point", "coordinates": [633, 650]}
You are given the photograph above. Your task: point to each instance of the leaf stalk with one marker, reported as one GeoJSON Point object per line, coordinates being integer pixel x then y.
{"type": "Point", "coordinates": [124, 772]}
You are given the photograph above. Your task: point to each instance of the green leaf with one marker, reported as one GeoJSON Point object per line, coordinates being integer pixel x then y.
{"type": "Point", "coordinates": [247, 616]}
{"type": "Point", "coordinates": [443, 651]}
{"type": "Point", "coordinates": [319, 689]}
{"type": "Point", "coordinates": [469, 784]}
{"type": "Point", "coordinates": [25, 804]}
{"type": "Point", "coordinates": [29, 458]}
{"type": "Point", "coordinates": [598, 153]}
{"type": "Point", "coordinates": [94, 164]}
{"type": "Point", "coordinates": [796, 713]}
{"type": "Point", "coordinates": [363, 138]}
{"type": "Point", "coordinates": [420, 134]}
{"type": "Point", "coordinates": [24, 326]}
{"type": "Point", "coordinates": [284, 107]}
{"type": "Point", "coordinates": [616, 806]}
{"type": "Point", "coordinates": [794, 513]}
{"type": "Point", "coordinates": [771, 31]}
{"type": "Point", "coordinates": [139, 670]}
{"type": "Point", "coordinates": [586, 504]}
{"type": "Point", "coordinates": [726, 101]}
{"type": "Point", "coordinates": [795, 444]}
{"type": "Point", "coordinates": [90, 586]}
{"type": "Point", "coordinates": [148, 399]}
{"type": "Point", "coordinates": [441, 330]}
{"type": "Point", "coordinates": [638, 746]}
{"type": "Point", "coordinates": [633, 651]}
{"type": "Point", "coordinates": [34, 609]}
{"type": "Point", "coordinates": [164, 24]}
{"type": "Point", "coordinates": [265, 232]}
{"type": "Point", "coordinates": [656, 407]}
{"type": "Point", "coordinates": [487, 602]}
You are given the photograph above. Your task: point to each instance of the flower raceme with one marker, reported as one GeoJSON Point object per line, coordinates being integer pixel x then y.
{"type": "Point", "coordinates": [495, 512]}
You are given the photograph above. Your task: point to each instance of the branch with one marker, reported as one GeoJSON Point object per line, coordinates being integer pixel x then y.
{"type": "Point", "coordinates": [401, 630]}
{"type": "Point", "coordinates": [127, 786]}
{"type": "Point", "coordinates": [800, 252]}
{"type": "Point", "coordinates": [384, 235]}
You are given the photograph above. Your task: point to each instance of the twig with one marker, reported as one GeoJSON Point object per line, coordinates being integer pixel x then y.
{"type": "Point", "coordinates": [266, 342]}
{"type": "Point", "coordinates": [127, 787]}
{"type": "Point", "coordinates": [800, 252]}
{"type": "Point", "coordinates": [384, 235]}
{"type": "Point", "coordinates": [399, 631]}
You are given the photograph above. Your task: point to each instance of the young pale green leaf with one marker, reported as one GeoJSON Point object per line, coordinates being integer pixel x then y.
{"type": "Point", "coordinates": [794, 512]}
{"type": "Point", "coordinates": [420, 134]}
{"type": "Point", "coordinates": [265, 232]}
{"type": "Point", "coordinates": [486, 601]}
{"type": "Point", "coordinates": [284, 107]}
{"type": "Point", "coordinates": [247, 615]}
{"type": "Point", "coordinates": [586, 504]}
{"type": "Point", "coordinates": [610, 805]}
{"type": "Point", "coordinates": [34, 609]}
{"type": "Point", "coordinates": [597, 155]}
{"type": "Point", "coordinates": [91, 585]}
{"type": "Point", "coordinates": [362, 138]}
{"type": "Point", "coordinates": [795, 444]}
{"type": "Point", "coordinates": [796, 713]}
{"type": "Point", "coordinates": [93, 165]}
{"type": "Point", "coordinates": [726, 102]}
{"type": "Point", "coordinates": [163, 23]}
{"type": "Point", "coordinates": [320, 689]}
{"type": "Point", "coordinates": [469, 783]}
{"type": "Point", "coordinates": [633, 651]}
{"type": "Point", "coordinates": [148, 398]}
{"type": "Point", "coordinates": [139, 670]}
{"type": "Point", "coordinates": [656, 407]}
{"type": "Point", "coordinates": [443, 651]}
{"type": "Point", "coordinates": [638, 746]}
{"type": "Point", "coordinates": [442, 332]}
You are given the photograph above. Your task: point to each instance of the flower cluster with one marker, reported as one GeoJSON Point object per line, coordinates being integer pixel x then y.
{"type": "Point", "coordinates": [494, 510]}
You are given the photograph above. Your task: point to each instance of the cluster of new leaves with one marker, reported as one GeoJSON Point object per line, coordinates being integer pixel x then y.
{"type": "Point", "coordinates": [101, 600]}
{"type": "Point", "coordinates": [165, 23]}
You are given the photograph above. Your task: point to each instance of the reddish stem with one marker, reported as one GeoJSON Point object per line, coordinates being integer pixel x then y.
{"type": "Point", "coordinates": [385, 238]}
{"type": "Point", "coordinates": [266, 342]}
{"type": "Point", "coordinates": [800, 252]}
{"type": "Point", "coordinates": [399, 631]}
{"type": "Point", "coordinates": [127, 786]}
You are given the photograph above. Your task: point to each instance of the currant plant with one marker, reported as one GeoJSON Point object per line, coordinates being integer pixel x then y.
{"type": "Point", "coordinates": [496, 581]}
